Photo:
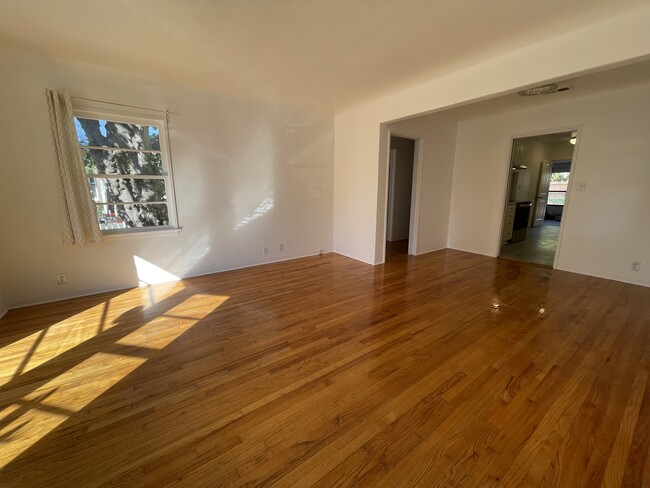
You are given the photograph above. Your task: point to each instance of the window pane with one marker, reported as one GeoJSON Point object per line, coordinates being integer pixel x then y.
{"type": "Point", "coordinates": [108, 161]}
{"type": "Point", "coordinates": [559, 181]}
{"type": "Point", "coordinates": [93, 132]}
{"type": "Point", "coordinates": [556, 197]}
{"type": "Point", "coordinates": [132, 216]}
{"type": "Point", "coordinates": [126, 190]}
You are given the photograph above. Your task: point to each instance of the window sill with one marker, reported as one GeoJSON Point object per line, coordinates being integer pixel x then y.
{"type": "Point", "coordinates": [115, 235]}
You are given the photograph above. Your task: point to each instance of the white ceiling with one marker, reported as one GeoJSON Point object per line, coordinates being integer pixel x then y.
{"type": "Point", "coordinates": [333, 52]}
{"type": "Point", "coordinates": [637, 73]}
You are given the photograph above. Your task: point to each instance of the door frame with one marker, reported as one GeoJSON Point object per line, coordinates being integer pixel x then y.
{"type": "Point", "coordinates": [566, 213]}
{"type": "Point", "coordinates": [415, 194]}
{"type": "Point", "coordinates": [392, 161]}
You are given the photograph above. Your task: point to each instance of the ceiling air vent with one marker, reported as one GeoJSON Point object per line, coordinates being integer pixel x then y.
{"type": "Point", "coordinates": [539, 90]}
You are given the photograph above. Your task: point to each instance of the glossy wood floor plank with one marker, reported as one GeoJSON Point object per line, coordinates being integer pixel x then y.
{"type": "Point", "coordinates": [447, 369]}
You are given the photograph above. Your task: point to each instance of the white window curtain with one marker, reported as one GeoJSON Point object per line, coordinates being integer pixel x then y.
{"type": "Point", "coordinates": [78, 215]}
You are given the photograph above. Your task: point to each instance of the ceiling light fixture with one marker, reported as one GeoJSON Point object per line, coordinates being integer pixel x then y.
{"type": "Point", "coordinates": [539, 90]}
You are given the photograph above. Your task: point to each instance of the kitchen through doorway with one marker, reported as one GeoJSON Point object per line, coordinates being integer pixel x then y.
{"type": "Point", "coordinates": [536, 198]}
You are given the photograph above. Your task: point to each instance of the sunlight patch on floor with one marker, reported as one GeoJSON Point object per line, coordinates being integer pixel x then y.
{"type": "Point", "coordinates": [162, 330]}
{"type": "Point", "coordinates": [34, 410]}
{"type": "Point", "coordinates": [30, 352]}
{"type": "Point", "coordinates": [23, 426]}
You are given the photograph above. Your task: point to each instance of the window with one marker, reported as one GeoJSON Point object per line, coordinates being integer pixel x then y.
{"type": "Point", "coordinates": [127, 164]}
{"type": "Point", "coordinates": [557, 190]}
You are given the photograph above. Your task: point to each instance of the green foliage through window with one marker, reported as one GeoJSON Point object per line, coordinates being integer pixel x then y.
{"type": "Point", "coordinates": [125, 170]}
{"type": "Point", "coordinates": [558, 188]}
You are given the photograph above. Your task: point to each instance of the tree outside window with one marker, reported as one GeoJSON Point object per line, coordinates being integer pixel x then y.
{"type": "Point", "coordinates": [558, 188]}
{"type": "Point", "coordinates": [127, 172]}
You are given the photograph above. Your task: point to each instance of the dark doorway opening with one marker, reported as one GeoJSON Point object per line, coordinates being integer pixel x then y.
{"type": "Point", "coordinates": [400, 189]}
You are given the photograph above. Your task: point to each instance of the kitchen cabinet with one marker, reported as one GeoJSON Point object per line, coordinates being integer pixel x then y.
{"type": "Point", "coordinates": [509, 222]}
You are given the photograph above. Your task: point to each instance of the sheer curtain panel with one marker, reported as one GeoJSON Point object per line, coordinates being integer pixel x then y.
{"type": "Point", "coordinates": [78, 215]}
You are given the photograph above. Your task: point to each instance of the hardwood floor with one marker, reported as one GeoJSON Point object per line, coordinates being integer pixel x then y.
{"type": "Point", "coordinates": [449, 369]}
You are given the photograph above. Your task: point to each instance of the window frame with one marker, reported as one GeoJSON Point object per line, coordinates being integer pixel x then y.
{"type": "Point", "coordinates": [158, 120]}
{"type": "Point", "coordinates": [556, 204]}
{"type": "Point", "coordinates": [558, 191]}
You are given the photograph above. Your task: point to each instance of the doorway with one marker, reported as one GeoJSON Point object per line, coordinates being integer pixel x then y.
{"type": "Point", "coordinates": [400, 190]}
{"type": "Point", "coordinates": [536, 197]}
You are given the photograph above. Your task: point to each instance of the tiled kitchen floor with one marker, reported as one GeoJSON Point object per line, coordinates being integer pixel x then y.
{"type": "Point", "coordinates": [538, 247]}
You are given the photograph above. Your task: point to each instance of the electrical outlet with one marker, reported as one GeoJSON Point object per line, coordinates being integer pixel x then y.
{"type": "Point", "coordinates": [266, 251]}
{"type": "Point", "coordinates": [61, 279]}
{"type": "Point", "coordinates": [635, 266]}
{"type": "Point", "coordinates": [281, 248]}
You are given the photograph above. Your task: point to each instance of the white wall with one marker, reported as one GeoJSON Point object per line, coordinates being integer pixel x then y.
{"type": "Point", "coordinates": [605, 227]}
{"type": "Point", "coordinates": [361, 141]}
{"type": "Point", "coordinates": [3, 306]}
{"type": "Point", "coordinates": [4, 258]}
{"type": "Point", "coordinates": [230, 155]}
{"type": "Point", "coordinates": [437, 137]}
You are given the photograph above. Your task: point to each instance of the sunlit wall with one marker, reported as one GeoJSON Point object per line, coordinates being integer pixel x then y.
{"type": "Point", "coordinates": [249, 173]}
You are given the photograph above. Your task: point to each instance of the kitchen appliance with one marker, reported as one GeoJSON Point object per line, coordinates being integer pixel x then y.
{"type": "Point", "coordinates": [520, 227]}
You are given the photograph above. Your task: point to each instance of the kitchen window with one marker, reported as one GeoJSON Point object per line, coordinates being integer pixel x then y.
{"type": "Point", "coordinates": [126, 160]}
{"type": "Point", "coordinates": [558, 188]}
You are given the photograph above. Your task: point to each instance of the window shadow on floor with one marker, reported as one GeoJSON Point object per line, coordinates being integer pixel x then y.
{"type": "Point", "coordinates": [57, 392]}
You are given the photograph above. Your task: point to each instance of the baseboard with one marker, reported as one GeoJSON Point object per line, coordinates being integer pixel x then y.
{"type": "Point", "coordinates": [606, 276]}
{"type": "Point", "coordinates": [193, 275]}
{"type": "Point", "coordinates": [235, 268]}
{"type": "Point", "coordinates": [91, 293]}
{"type": "Point", "coordinates": [473, 251]}
{"type": "Point", "coordinates": [356, 259]}
{"type": "Point", "coordinates": [431, 250]}
{"type": "Point", "coordinates": [583, 271]}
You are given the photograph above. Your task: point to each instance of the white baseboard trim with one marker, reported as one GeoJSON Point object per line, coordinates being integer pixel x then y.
{"type": "Point", "coordinates": [623, 278]}
{"type": "Point", "coordinates": [431, 250]}
{"type": "Point", "coordinates": [607, 276]}
{"type": "Point", "coordinates": [193, 275]}
{"type": "Point", "coordinates": [356, 259]}
{"type": "Point", "coordinates": [245, 266]}
{"type": "Point", "coordinates": [595, 274]}
{"type": "Point", "coordinates": [72, 297]}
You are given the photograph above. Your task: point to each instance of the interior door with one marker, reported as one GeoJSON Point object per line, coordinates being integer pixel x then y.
{"type": "Point", "coordinates": [544, 182]}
